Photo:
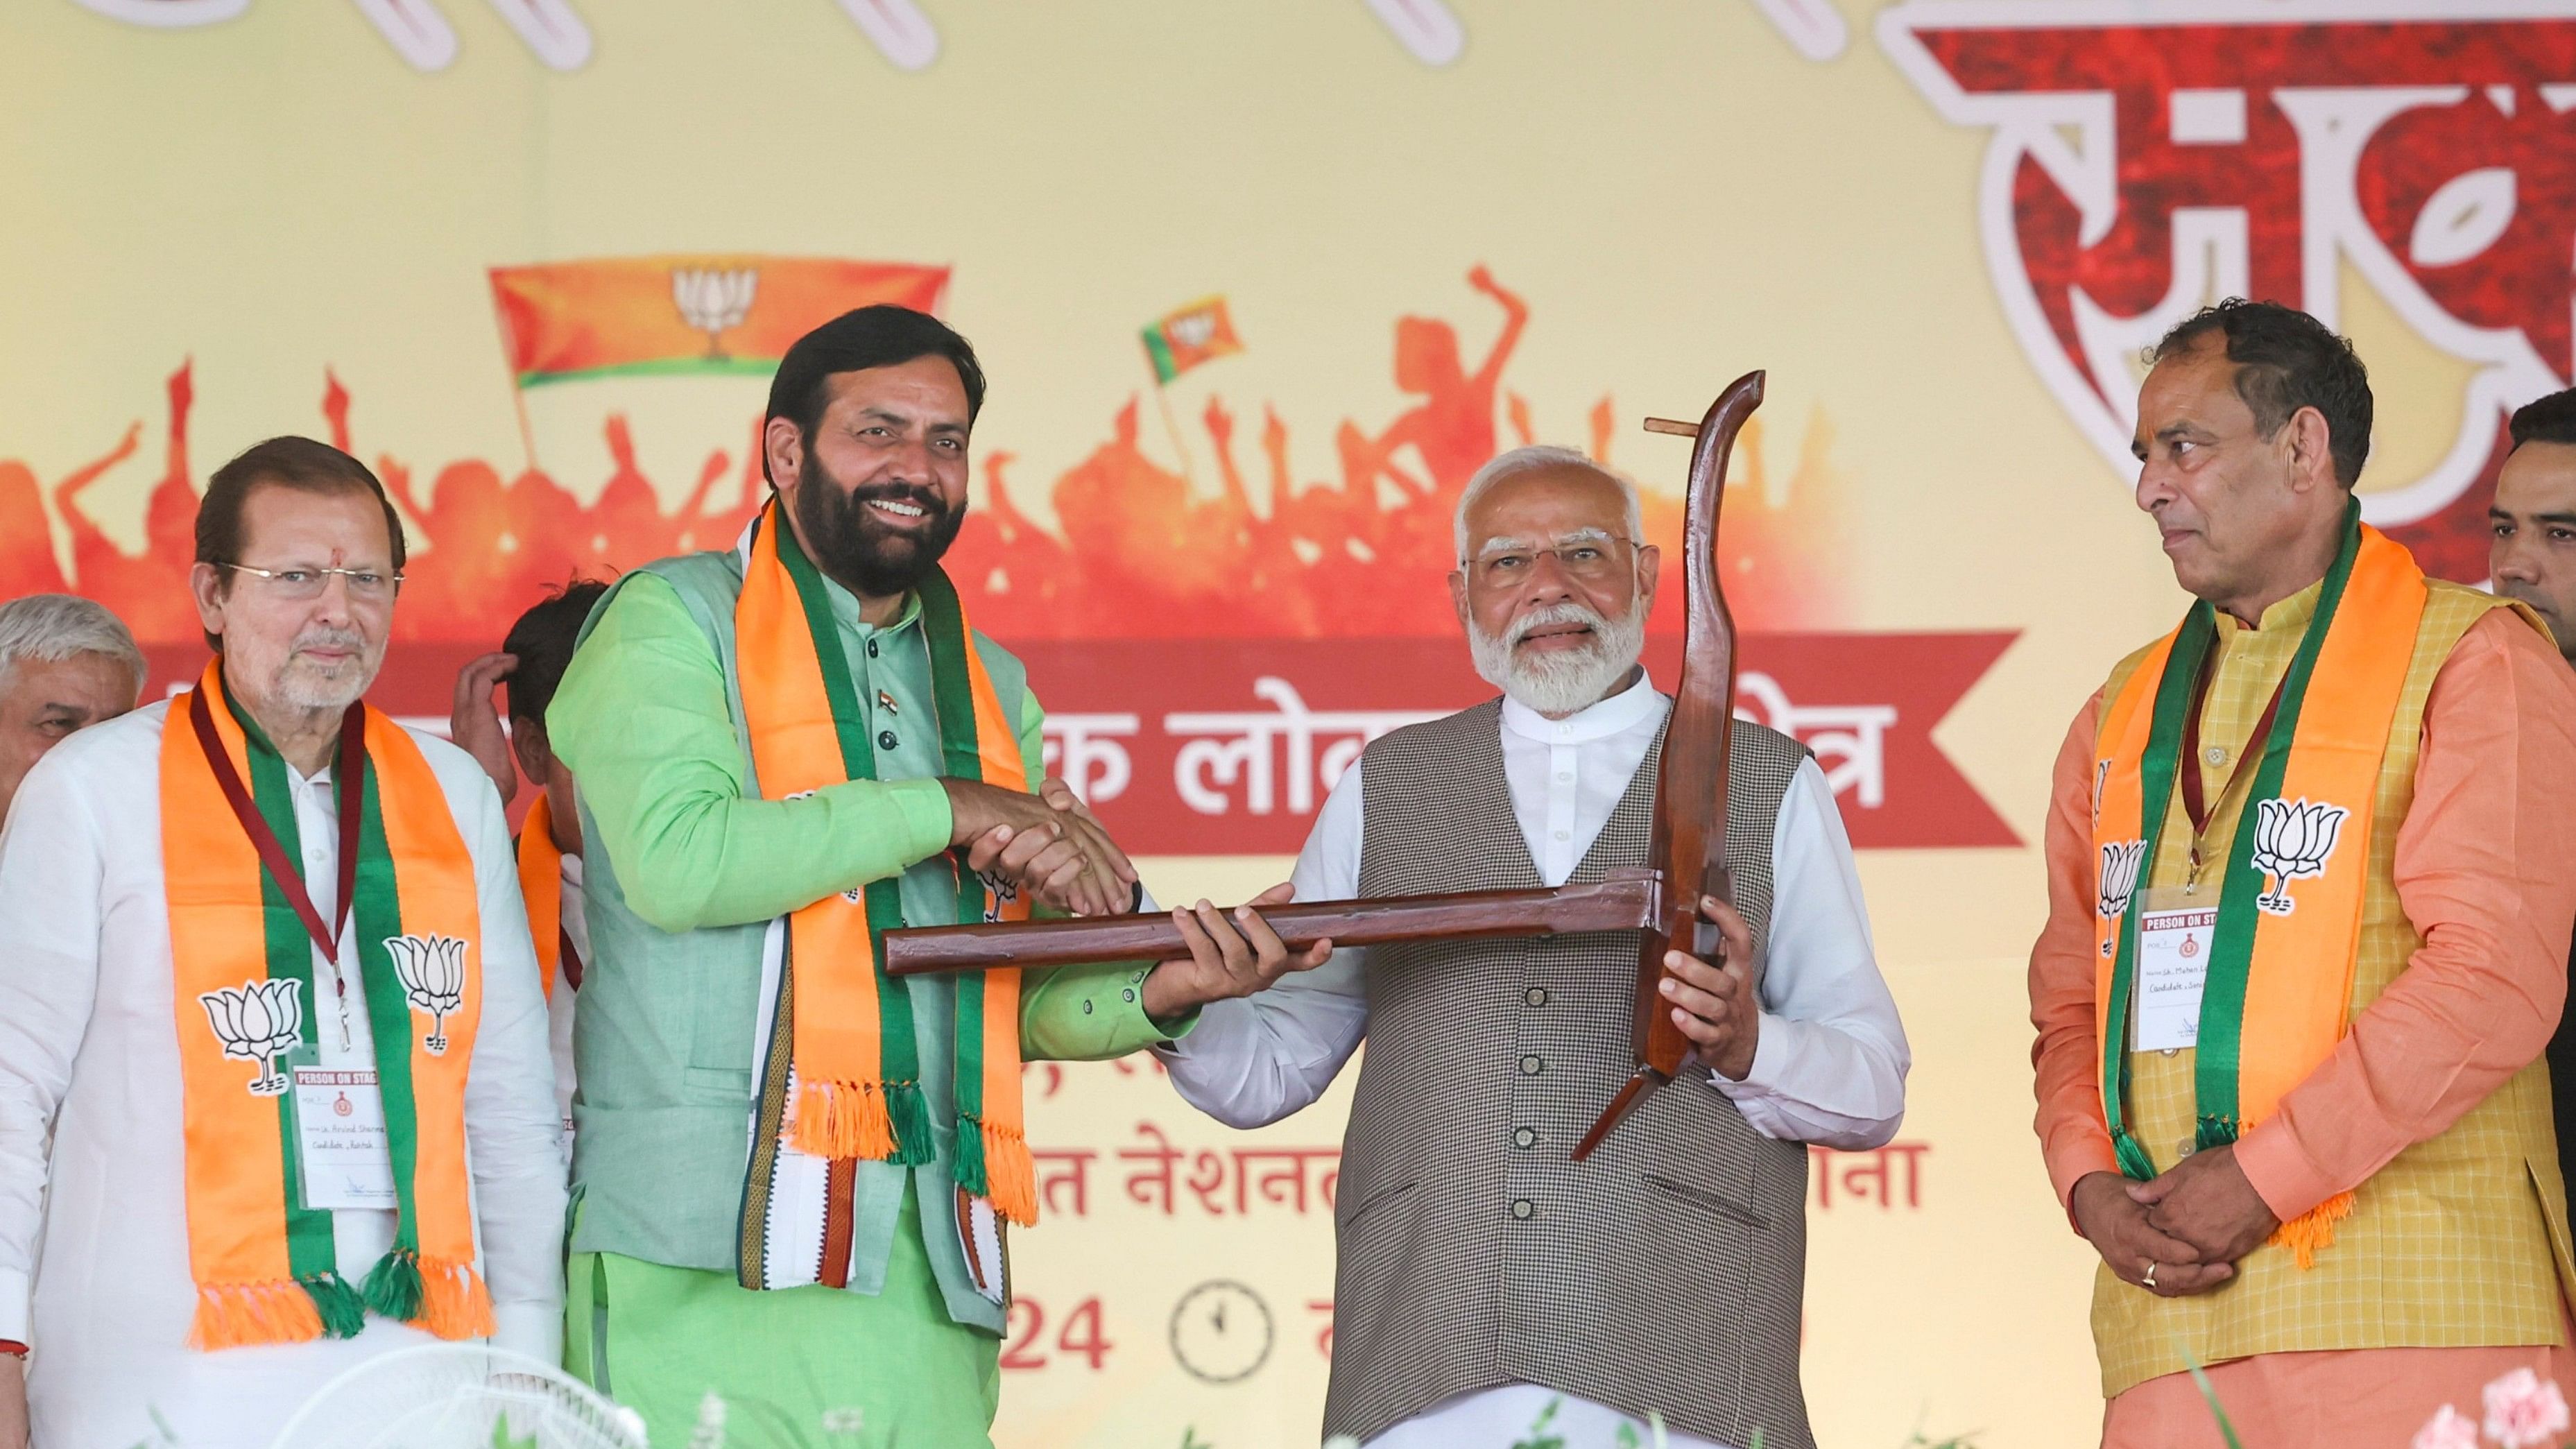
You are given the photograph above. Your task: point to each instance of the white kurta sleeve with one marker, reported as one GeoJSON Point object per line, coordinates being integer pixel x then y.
{"type": "Point", "coordinates": [512, 1130]}
{"type": "Point", "coordinates": [51, 871]}
{"type": "Point", "coordinates": [1830, 1064]}
{"type": "Point", "coordinates": [1255, 1059]}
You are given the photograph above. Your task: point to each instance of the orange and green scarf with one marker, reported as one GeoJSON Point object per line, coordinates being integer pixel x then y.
{"type": "Point", "coordinates": [2290, 897]}
{"type": "Point", "coordinates": [246, 1010]}
{"type": "Point", "coordinates": [856, 1063]}
{"type": "Point", "coordinates": [541, 886]}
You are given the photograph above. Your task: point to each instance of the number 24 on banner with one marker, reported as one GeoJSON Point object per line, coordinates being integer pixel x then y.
{"type": "Point", "coordinates": [1081, 1336]}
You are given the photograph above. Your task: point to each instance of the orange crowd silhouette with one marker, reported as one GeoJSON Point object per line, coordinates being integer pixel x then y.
{"type": "Point", "coordinates": [1140, 552]}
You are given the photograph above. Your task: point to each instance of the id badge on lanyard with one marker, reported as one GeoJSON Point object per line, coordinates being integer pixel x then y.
{"type": "Point", "coordinates": [347, 1160]}
{"type": "Point", "coordinates": [2175, 928]}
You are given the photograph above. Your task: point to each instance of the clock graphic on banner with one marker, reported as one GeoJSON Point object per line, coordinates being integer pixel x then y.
{"type": "Point", "coordinates": [1222, 1332]}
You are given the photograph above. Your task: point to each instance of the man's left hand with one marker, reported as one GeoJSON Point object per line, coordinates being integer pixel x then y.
{"type": "Point", "coordinates": [2206, 1201]}
{"type": "Point", "coordinates": [1062, 858]}
{"type": "Point", "coordinates": [1718, 1004]}
{"type": "Point", "coordinates": [1115, 876]}
{"type": "Point", "coordinates": [1230, 955]}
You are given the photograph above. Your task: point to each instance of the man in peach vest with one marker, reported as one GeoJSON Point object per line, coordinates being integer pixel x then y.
{"type": "Point", "coordinates": [2310, 878]}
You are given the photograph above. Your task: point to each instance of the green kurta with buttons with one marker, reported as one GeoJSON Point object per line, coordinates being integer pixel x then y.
{"type": "Point", "coordinates": [684, 868]}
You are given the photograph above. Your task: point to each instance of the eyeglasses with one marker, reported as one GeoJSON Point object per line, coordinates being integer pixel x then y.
{"type": "Point", "coordinates": [305, 583]}
{"type": "Point", "coordinates": [1588, 560]}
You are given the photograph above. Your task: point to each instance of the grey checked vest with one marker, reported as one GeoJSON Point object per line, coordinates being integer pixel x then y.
{"type": "Point", "coordinates": [1666, 1273]}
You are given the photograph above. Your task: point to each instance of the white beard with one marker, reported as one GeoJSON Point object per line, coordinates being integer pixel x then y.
{"type": "Point", "coordinates": [304, 685]}
{"type": "Point", "coordinates": [308, 690]}
{"type": "Point", "coordinates": [1560, 681]}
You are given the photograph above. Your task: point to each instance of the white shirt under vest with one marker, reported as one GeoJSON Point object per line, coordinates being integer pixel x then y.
{"type": "Point", "coordinates": [1829, 1066]}
{"type": "Point", "coordinates": [93, 1224]}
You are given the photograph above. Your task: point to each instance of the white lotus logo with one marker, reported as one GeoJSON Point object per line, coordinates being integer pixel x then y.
{"type": "Point", "coordinates": [2292, 841]}
{"type": "Point", "coordinates": [258, 1021]}
{"type": "Point", "coordinates": [712, 300]}
{"type": "Point", "coordinates": [432, 972]}
{"type": "Point", "coordinates": [2121, 860]}
{"type": "Point", "coordinates": [1193, 329]}
{"type": "Point", "coordinates": [999, 892]}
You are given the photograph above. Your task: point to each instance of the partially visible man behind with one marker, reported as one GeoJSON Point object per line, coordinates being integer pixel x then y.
{"type": "Point", "coordinates": [65, 664]}
{"type": "Point", "coordinates": [2311, 872]}
{"type": "Point", "coordinates": [2533, 561]}
{"type": "Point", "coordinates": [528, 667]}
{"type": "Point", "coordinates": [212, 937]}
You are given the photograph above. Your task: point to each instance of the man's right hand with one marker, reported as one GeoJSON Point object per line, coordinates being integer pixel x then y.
{"type": "Point", "coordinates": [2117, 1227]}
{"type": "Point", "coordinates": [1063, 856]}
{"type": "Point", "coordinates": [474, 722]}
{"type": "Point", "coordinates": [13, 1402]}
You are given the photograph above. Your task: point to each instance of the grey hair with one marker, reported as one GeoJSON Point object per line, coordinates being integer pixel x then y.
{"type": "Point", "coordinates": [50, 628]}
{"type": "Point", "coordinates": [1530, 460]}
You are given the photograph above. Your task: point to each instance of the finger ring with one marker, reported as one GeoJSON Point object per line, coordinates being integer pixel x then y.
{"type": "Point", "coordinates": [2150, 1279]}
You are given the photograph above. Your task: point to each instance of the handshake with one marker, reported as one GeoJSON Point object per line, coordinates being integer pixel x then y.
{"type": "Point", "coordinates": [1049, 844]}
{"type": "Point", "coordinates": [1052, 847]}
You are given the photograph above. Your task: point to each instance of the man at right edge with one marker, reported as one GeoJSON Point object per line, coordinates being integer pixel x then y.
{"type": "Point", "coordinates": [2311, 872]}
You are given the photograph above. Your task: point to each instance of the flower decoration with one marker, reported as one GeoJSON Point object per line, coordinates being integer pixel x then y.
{"type": "Point", "coordinates": [2524, 1409]}
{"type": "Point", "coordinates": [2449, 1429]}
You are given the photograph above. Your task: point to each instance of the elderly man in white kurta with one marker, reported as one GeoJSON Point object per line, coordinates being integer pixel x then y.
{"type": "Point", "coordinates": [1483, 1278]}
{"type": "Point", "coordinates": [235, 1164]}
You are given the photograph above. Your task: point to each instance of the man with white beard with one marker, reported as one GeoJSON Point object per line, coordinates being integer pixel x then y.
{"type": "Point", "coordinates": [1489, 1290]}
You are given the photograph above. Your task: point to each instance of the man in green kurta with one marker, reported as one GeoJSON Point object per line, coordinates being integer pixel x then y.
{"type": "Point", "coordinates": [852, 1300]}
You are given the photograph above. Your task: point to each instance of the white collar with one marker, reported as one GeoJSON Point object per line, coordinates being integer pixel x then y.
{"type": "Point", "coordinates": [1621, 712]}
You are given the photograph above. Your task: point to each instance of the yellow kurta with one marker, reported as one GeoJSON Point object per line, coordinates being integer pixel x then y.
{"type": "Point", "coordinates": [2461, 1240]}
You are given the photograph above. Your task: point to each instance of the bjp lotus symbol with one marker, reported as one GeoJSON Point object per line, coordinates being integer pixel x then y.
{"type": "Point", "coordinates": [2292, 841]}
{"type": "Point", "coordinates": [2121, 860]}
{"type": "Point", "coordinates": [432, 972]}
{"type": "Point", "coordinates": [257, 1021]}
{"type": "Point", "coordinates": [712, 300]}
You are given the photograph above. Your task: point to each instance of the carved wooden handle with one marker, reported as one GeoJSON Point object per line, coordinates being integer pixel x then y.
{"type": "Point", "coordinates": [1625, 900]}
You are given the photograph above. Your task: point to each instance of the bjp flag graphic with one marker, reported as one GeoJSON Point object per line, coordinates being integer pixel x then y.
{"type": "Point", "coordinates": [1197, 333]}
{"type": "Point", "coordinates": [625, 316]}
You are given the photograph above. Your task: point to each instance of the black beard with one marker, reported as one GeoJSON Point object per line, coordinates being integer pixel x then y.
{"type": "Point", "coordinates": [853, 545]}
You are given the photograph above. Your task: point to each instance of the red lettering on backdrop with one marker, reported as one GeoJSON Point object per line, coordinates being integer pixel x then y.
{"type": "Point", "coordinates": [1876, 1175]}
{"type": "Point", "coordinates": [1211, 747]}
{"type": "Point", "coordinates": [2143, 161]}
